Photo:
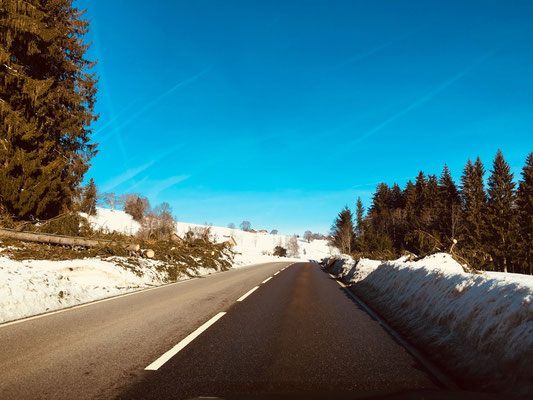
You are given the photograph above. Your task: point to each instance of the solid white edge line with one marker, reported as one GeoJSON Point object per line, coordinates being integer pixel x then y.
{"type": "Point", "coordinates": [442, 378]}
{"type": "Point", "coordinates": [248, 293]}
{"type": "Point", "coordinates": [90, 303]}
{"type": "Point", "coordinates": [181, 345]}
{"type": "Point", "coordinates": [266, 280]}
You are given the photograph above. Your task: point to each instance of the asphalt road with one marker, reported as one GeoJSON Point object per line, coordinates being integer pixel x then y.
{"type": "Point", "coordinates": [298, 332]}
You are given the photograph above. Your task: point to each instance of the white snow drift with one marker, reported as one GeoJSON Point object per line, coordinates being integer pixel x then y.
{"type": "Point", "coordinates": [36, 286]}
{"type": "Point", "coordinates": [479, 325]}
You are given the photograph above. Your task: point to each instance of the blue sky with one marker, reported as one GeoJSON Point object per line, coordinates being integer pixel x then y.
{"type": "Point", "coordinates": [282, 112]}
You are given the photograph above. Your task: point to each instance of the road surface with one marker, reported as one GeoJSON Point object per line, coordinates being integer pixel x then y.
{"type": "Point", "coordinates": [296, 332]}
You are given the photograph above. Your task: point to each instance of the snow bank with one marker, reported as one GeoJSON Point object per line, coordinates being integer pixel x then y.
{"type": "Point", "coordinates": [352, 271]}
{"type": "Point", "coordinates": [479, 326]}
{"type": "Point", "coordinates": [36, 286]}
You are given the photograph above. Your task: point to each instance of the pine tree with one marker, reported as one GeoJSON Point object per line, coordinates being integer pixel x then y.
{"type": "Point", "coordinates": [474, 200]}
{"type": "Point", "coordinates": [420, 199]}
{"type": "Point", "coordinates": [381, 202]}
{"type": "Point", "coordinates": [421, 214]}
{"type": "Point", "coordinates": [501, 213]}
{"type": "Point", "coordinates": [360, 226]}
{"type": "Point", "coordinates": [47, 99]}
{"type": "Point", "coordinates": [90, 195]}
{"type": "Point", "coordinates": [359, 214]}
{"type": "Point", "coordinates": [343, 231]}
{"type": "Point", "coordinates": [397, 197]}
{"type": "Point", "coordinates": [524, 202]}
{"type": "Point", "coordinates": [431, 206]}
{"type": "Point", "coordinates": [448, 207]}
{"type": "Point", "coordinates": [409, 194]}
{"type": "Point", "coordinates": [397, 226]}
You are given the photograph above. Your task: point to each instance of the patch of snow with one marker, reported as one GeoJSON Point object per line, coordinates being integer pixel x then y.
{"type": "Point", "coordinates": [254, 248]}
{"type": "Point", "coordinates": [480, 326]}
{"type": "Point", "coordinates": [113, 221]}
{"type": "Point", "coordinates": [36, 286]}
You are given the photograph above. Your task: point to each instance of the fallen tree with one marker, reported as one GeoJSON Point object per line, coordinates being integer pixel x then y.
{"type": "Point", "coordinates": [64, 240]}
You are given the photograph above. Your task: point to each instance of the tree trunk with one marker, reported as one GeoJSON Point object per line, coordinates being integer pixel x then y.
{"type": "Point", "coordinates": [64, 240]}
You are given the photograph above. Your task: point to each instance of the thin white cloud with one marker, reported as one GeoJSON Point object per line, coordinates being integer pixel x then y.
{"type": "Point", "coordinates": [126, 176]}
{"type": "Point", "coordinates": [133, 172]}
{"type": "Point", "coordinates": [376, 49]}
{"type": "Point", "coordinates": [135, 185]}
{"type": "Point", "coordinates": [419, 102]}
{"type": "Point", "coordinates": [148, 105]}
{"type": "Point", "coordinates": [162, 185]}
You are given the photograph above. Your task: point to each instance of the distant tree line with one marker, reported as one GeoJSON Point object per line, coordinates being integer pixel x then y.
{"type": "Point", "coordinates": [489, 227]}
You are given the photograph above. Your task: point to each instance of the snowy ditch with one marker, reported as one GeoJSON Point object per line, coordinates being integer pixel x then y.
{"type": "Point", "coordinates": [478, 326]}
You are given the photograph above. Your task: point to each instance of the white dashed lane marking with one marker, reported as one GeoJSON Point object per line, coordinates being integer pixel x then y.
{"type": "Point", "coordinates": [181, 345]}
{"type": "Point", "coordinates": [248, 293]}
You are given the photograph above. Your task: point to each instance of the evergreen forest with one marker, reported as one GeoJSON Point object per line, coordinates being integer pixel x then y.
{"type": "Point", "coordinates": [485, 222]}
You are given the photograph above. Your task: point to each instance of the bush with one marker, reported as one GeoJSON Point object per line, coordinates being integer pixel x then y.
{"type": "Point", "coordinates": [280, 251]}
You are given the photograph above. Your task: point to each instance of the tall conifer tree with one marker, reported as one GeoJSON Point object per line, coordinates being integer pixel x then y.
{"type": "Point", "coordinates": [360, 229]}
{"type": "Point", "coordinates": [501, 214]}
{"type": "Point", "coordinates": [420, 195]}
{"type": "Point", "coordinates": [47, 98]}
{"type": "Point", "coordinates": [448, 206]}
{"type": "Point", "coordinates": [524, 202]}
{"type": "Point", "coordinates": [474, 200]}
{"type": "Point", "coordinates": [343, 231]}
{"type": "Point", "coordinates": [359, 220]}
{"type": "Point", "coordinates": [397, 217]}
{"type": "Point", "coordinates": [409, 194]}
{"type": "Point", "coordinates": [431, 204]}
{"type": "Point", "coordinates": [89, 197]}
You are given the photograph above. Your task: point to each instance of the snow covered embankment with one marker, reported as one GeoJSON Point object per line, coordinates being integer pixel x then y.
{"type": "Point", "coordinates": [35, 286]}
{"type": "Point", "coordinates": [480, 327]}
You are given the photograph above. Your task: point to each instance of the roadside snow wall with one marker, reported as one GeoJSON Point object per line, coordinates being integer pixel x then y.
{"type": "Point", "coordinates": [478, 326]}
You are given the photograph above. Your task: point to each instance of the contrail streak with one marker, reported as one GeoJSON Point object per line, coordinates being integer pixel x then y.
{"type": "Point", "coordinates": [378, 48]}
{"type": "Point", "coordinates": [133, 172]}
{"type": "Point", "coordinates": [155, 100]}
{"type": "Point", "coordinates": [424, 99]}
{"type": "Point", "coordinates": [115, 117]}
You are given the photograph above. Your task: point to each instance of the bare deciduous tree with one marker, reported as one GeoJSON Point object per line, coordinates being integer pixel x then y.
{"type": "Point", "coordinates": [293, 247]}
{"type": "Point", "coordinates": [111, 199]}
{"type": "Point", "coordinates": [246, 226]}
{"type": "Point", "coordinates": [159, 223]}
